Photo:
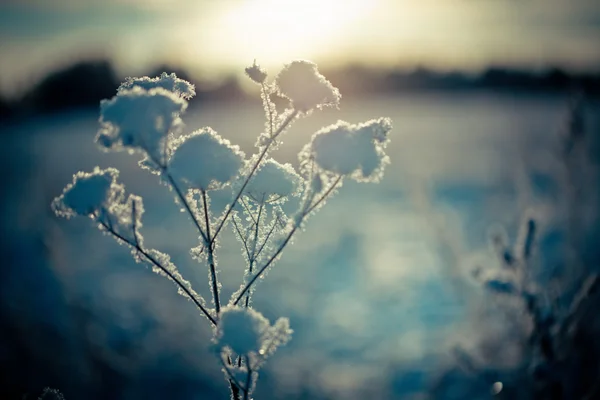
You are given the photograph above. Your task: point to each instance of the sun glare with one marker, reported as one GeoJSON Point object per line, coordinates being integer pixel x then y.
{"type": "Point", "coordinates": [274, 31]}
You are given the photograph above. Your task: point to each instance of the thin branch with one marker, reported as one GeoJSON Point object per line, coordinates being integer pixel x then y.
{"type": "Point", "coordinates": [244, 240]}
{"type": "Point", "coordinates": [262, 155]}
{"type": "Point", "coordinates": [211, 260]}
{"type": "Point", "coordinates": [267, 236]}
{"type": "Point", "coordinates": [284, 243]}
{"type": "Point", "coordinates": [248, 378]}
{"type": "Point", "coordinates": [186, 205]}
{"type": "Point", "coordinates": [157, 264]}
{"type": "Point", "coordinates": [281, 223]}
{"type": "Point", "coordinates": [268, 105]}
{"type": "Point", "coordinates": [164, 169]}
{"type": "Point", "coordinates": [232, 378]}
{"type": "Point", "coordinates": [257, 228]}
{"type": "Point", "coordinates": [247, 208]}
{"type": "Point", "coordinates": [267, 264]}
{"type": "Point", "coordinates": [134, 223]}
{"type": "Point", "coordinates": [252, 258]}
{"type": "Point", "coordinates": [325, 195]}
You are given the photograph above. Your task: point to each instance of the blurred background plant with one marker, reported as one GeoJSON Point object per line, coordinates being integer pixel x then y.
{"type": "Point", "coordinates": [546, 300]}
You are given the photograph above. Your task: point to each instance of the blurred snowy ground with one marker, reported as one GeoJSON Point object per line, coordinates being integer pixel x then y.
{"type": "Point", "coordinates": [377, 287]}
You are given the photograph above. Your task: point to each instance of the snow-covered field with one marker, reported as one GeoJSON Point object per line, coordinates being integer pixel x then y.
{"type": "Point", "coordinates": [377, 287]}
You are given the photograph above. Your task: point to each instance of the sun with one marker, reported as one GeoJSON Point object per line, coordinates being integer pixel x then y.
{"type": "Point", "coordinates": [275, 31]}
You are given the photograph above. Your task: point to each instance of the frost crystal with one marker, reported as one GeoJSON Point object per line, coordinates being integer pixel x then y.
{"type": "Point", "coordinates": [241, 329]}
{"type": "Point", "coordinates": [204, 160]}
{"type": "Point", "coordinates": [355, 150]}
{"type": "Point", "coordinates": [301, 82]}
{"type": "Point", "coordinates": [278, 335]}
{"type": "Point", "coordinates": [166, 81]}
{"type": "Point", "coordinates": [273, 182]}
{"type": "Point", "coordinates": [88, 193]}
{"type": "Point", "coordinates": [139, 119]}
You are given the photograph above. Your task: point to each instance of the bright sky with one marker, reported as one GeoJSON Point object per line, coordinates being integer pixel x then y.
{"type": "Point", "coordinates": [228, 34]}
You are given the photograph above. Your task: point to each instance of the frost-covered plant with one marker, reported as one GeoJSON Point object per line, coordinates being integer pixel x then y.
{"type": "Point", "coordinates": [145, 118]}
{"type": "Point", "coordinates": [551, 299]}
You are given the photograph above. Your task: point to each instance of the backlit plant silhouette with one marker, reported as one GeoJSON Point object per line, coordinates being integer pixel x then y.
{"type": "Point", "coordinates": [145, 117]}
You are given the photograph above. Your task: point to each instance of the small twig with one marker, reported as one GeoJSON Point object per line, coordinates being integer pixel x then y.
{"type": "Point", "coordinates": [244, 240]}
{"type": "Point", "coordinates": [211, 261]}
{"type": "Point", "coordinates": [186, 205]}
{"type": "Point", "coordinates": [257, 228]}
{"type": "Point", "coordinates": [268, 105]}
{"type": "Point", "coordinates": [327, 193]}
{"type": "Point", "coordinates": [284, 243]}
{"type": "Point", "coordinates": [248, 378]}
{"type": "Point", "coordinates": [157, 264]}
{"type": "Point", "coordinates": [247, 208]}
{"type": "Point", "coordinates": [134, 223]}
{"type": "Point", "coordinates": [231, 376]}
{"type": "Point", "coordinates": [164, 169]}
{"type": "Point", "coordinates": [267, 236]}
{"type": "Point", "coordinates": [262, 155]}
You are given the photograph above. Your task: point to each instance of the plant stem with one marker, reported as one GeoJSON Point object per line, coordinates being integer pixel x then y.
{"type": "Point", "coordinates": [305, 212]}
{"type": "Point", "coordinates": [164, 169]}
{"type": "Point", "coordinates": [157, 264]}
{"type": "Point", "coordinates": [185, 204]}
{"type": "Point", "coordinates": [267, 104]}
{"type": "Point", "coordinates": [248, 379]}
{"type": "Point", "coordinates": [262, 155]}
{"type": "Point", "coordinates": [211, 259]}
{"type": "Point", "coordinates": [327, 193]}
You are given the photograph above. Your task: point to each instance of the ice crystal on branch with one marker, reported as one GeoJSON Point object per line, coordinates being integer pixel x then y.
{"type": "Point", "coordinates": [169, 82]}
{"type": "Point", "coordinates": [301, 82]}
{"type": "Point", "coordinates": [204, 160]}
{"type": "Point", "coordinates": [276, 336]}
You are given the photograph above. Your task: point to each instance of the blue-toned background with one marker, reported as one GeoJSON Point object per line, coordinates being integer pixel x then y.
{"type": "Point", "coordinates": [378, 287]}
{"type": "Point", "coordinates": [384, 286]}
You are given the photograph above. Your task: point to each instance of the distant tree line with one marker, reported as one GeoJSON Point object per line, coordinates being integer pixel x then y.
{"type": "Point", "coordinates": [84, 84]}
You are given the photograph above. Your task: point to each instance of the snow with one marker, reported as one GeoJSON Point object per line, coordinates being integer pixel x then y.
{"type": "Point", "coordinates": [88, 193]}
{"type": "Point", "coordinates": [354, 150]}
{"type": "Point", "coordinates": [241, 329]}
{"type": "Point", "coordinates": [204, 160]}
{"type": "Point", "coordinates": [138, 119]}
{"type": "Point", "coordinates": [273, 181]}
{"type": "Point", "coordinates": [301, 82]}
